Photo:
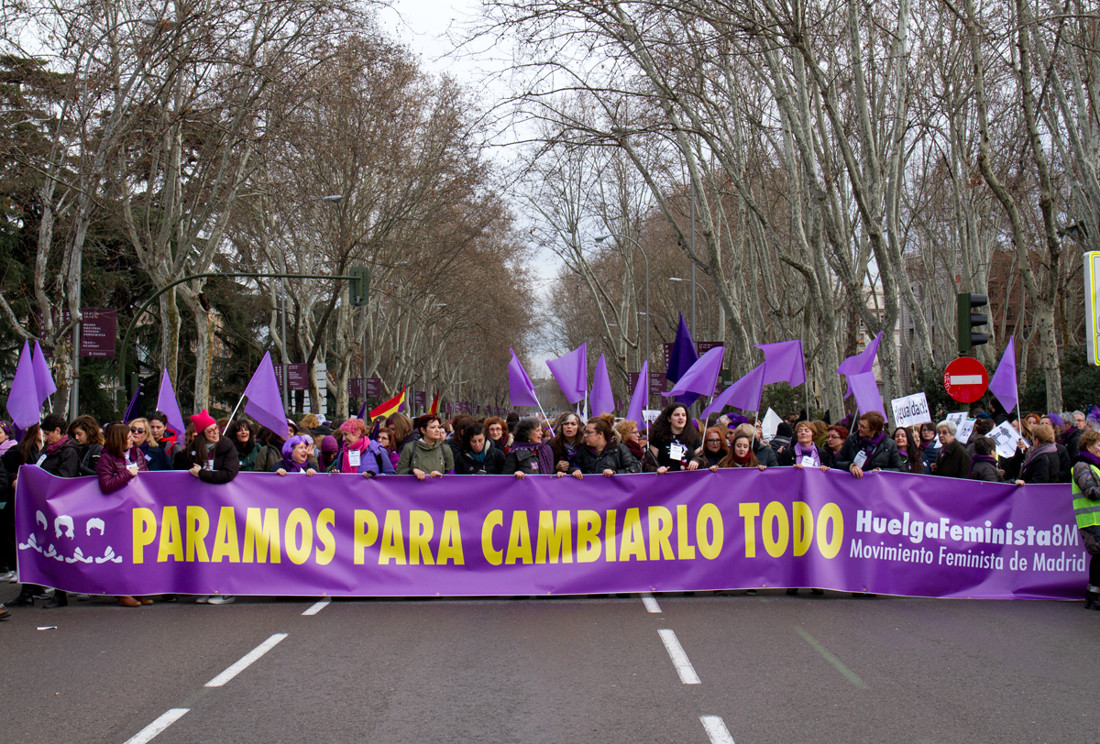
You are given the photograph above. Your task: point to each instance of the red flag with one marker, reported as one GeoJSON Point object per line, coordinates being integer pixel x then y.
{"type": "Point", "coordinates": [435, 403]}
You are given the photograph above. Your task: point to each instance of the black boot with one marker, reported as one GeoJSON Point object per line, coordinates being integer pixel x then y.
{"type": "Point", "coordinates": [59, 599]}
{"type": "Point", "coordinates": [25, 598]}
{"type": "Point", "coordinates": [1092, 598]}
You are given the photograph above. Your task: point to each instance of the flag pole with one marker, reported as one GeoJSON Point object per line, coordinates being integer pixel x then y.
{"type": "Point", "coordinates": [233, 415]}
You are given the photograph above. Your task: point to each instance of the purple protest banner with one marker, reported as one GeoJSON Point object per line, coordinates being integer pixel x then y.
{"type": "Point", "coordinates": [374, 387]}
{"type": "Point", "coordinates": [887, 533]}
{"type": "Point", "coordinates": [420, 400]}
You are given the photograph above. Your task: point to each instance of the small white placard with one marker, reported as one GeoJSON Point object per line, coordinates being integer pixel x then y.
{"type": "Point", "coordinates": [964, 430]}
{"type": "Point", "coordinates": [911, 410]}
{"type": "Point", "coordinates": [1005, 437]}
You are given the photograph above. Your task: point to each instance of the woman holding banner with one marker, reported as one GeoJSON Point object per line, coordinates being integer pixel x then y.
{"type": "Point", "coordinates": [714, 449]}
{"type": "Point", "coordinates": [567, 441]}
{"type": "Point", "coordinates": [804, 453]}
{"type": "Point", "coordinates": [119, 462]}
{"type": "Point", "coordinates": [213, 457]}
{"type": "Point", "coordinates": [528, 455]}
{"type": "Point", "coordinates": [427, 457]}
{"type": "Point", "coordinates": [1041, 464]}
{"type": "Point", "coordinates": [673, 440]}
{"type": "Point", "coordinates": [602, 453]}
{"type": "Point", "coordinates": [296, 457]}
{"type": "Point", "coordinates": [741, 454]}
{"type": "Point", "coordinates": [868, 449]}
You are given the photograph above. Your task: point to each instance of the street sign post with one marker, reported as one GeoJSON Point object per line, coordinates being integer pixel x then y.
{"type": "Point", "coordinates": [965, 379]}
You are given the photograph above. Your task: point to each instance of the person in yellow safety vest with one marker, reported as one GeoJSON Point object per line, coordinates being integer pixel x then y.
{"type": "Point", "coordinates": [1086, 508]}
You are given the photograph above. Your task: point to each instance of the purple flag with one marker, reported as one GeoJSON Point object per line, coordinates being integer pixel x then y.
{"type": "Point", "coordinates": [134, 409]}
{"type": "Point", "coordinates": [744, 394]}
{"type": "Point", "coordinates": [521, 391]}
{"type": "Point", "coordinates": [865, 389]}
{"type": "Point", "coordinates": [637, 401]}
{"type": "Point", "coordinates": [24, 407]}
{"type": "Point", "coordinates": [702, 376]}
{"type": "Point", "coordinates": [571, 372]}
{"type": "Point", "coordinates": [856, 364]}
{"type": "Point", "coordinates": [682, 357]}
{"type": "Point", "coordinates": [601, 401]}
{"type": "Point", "coordinates": [264, 404]}
{"type": "Point", "coordinates": [170, 407]}
{"type": "Point", "coordinates": [784, 362]}
{"type": "Point", "coordinates": [43, 380]}
{"type": "Point", "coordinates": [1003, 382]}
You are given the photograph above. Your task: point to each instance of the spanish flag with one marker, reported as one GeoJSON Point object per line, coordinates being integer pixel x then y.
{"type": "Point", "coordinates": [435, 403]}
{"type": "Point", "coordinates": [389, 407]}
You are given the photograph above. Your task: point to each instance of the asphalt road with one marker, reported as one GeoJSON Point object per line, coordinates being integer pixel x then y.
{"type": "Point", "coordinates": [674, 668]}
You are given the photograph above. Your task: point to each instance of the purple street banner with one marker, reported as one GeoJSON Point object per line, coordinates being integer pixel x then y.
{"type": "Point", "coordinates": [98, 330]}
{"type": "Point", "coordinates": [343, 535]}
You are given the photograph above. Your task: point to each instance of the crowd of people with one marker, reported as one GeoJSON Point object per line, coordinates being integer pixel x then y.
{"type": "Point", "coordinates": [1053, 449]}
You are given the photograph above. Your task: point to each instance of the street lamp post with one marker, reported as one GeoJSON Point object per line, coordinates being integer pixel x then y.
{"type": "Point", "coordinates": [710, 312]}
{"type": "Point", "coordinates": [602, 238]}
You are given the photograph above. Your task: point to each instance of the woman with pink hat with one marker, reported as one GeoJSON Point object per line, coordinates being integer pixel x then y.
{"type": "Point", "coordinates": [213, 459]}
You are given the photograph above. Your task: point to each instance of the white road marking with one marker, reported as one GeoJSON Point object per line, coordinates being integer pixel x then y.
{"type": "Point", "coordinates": [965, 379]}
{"type": "Point", "coordinates": [246, 660]}
{"type": "Point", "coordinates": [716, 730]}
{"type": "Point", "coordinates": [154, 728]}
{"type": "Point", "coordinates": [679, 658]}
{"type": "Point", "coordinates": [650, 603]}
{"type": "Point", "coordinates": [320, 605]}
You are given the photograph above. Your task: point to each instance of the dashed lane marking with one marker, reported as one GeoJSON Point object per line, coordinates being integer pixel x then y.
{"type": "Point", "coordinates": [679, 658]}
{"type": "Point", "coordinates": [157, 726]}
{"type": "Point", "coordinates": [716, 730]}
{"type": "Point", "coordinates": [317, 607]}
{"type": "Point", "coordinates": [832, 659]}
{"type": "Point", "coordinates": [651, 603]}
{"type": "Point", "coordinates": [246, 660]}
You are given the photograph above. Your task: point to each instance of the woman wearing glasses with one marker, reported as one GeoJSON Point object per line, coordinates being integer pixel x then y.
{"type": "Point", "coordinates": [714, 449]}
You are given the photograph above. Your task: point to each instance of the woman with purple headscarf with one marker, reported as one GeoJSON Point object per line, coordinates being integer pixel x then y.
{"type": "Point", "coordinates": [295, 456]}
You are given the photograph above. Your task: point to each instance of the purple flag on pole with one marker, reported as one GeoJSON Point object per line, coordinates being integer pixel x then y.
{"type": "Point", "coordinates": [864, 361]}
{"type": "Point", "coordinates": [601, 400]}
{"type": "Point", "coordinates": [783, 362]}
{"type": "Point", "coordinates": [865, 389]}
{"type": "Point", "coordinates": [264, 404]}
{"type": "Point", "coordinates": [170, 407]}
{"type": "Point", "coordinates": [682, 357]}
{"type": "Point", "coordinates": [571, 372]}
{"type": "Point", "coordinates": [24, 406]}
{"type": "Point", "coordinates": [744, 394]}
{"type": "Point", "coordinates": [43, 380]}
{"type": "Point", "coordinates": [521, 391]}
{"type": "Point", "coordinates": [1003, 382]}
{"type": "Point", "coordinates": [637, 400]}
{"type": "Point", "coordinates": [856, 364]}
{"type": "Point", "coordinates": [702, 376]}
{"type": "Point", "coordinates": [133, 410]}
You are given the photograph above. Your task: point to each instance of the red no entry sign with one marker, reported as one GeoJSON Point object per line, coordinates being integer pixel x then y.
{"type": "Point", "coordinates": [965, 379]}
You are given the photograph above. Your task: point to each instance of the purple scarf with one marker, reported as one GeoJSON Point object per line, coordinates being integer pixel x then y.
{"type": "Point", "coordinates": [1036, 451]}
{"type": "Point", "coordinates": [871, 445]}
{"type": "Point", "coordinates": [546, 455]}
{"type": "Point", "coordinates": [980, 458]}
{"type": "Point", "coordinates": [811, 451]}
{"type": "Point", "coordinates": [1088, 457]}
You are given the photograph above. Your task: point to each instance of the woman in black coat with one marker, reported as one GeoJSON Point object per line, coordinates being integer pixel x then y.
{"type": "Point", "coordinates": [868, 449]}
{"type": "Point", "coordinates": [1041, 463]}
{"type": "Point", "coordinates": [213, 457]}
{"type": "Point", "coordinates": [602, 453]}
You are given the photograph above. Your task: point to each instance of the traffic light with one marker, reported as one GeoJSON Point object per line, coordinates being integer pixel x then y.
{"type": "Point", "coordinates": [359, 287]}
{"type": "Point", "coordinates": [968, 319]}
